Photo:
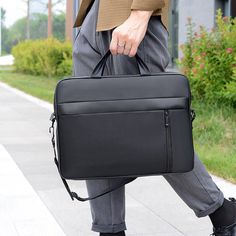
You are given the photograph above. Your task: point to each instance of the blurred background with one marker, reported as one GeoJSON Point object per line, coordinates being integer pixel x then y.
{"type": "Point", "coordinates": [36, 38]}
{"type": "Point", "coordinates": [31, 19]}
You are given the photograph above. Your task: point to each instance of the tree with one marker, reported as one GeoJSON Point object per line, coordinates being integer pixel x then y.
{"type": "Point", "coordinates": [38, 28]}
{"type": "Point", "coordinates": [49, 18]}
{"type": "Point", "coordinates": [4, 34]}
{"type": "Point", "coordinates": [27, 2]}
{"type": "Point", "coordinates": [59, 21]}
{"type": "Point", "coordinates": [50, 6]}
{"type": "Point", "coordinates": [3, 15]}
{"type": "Point", "coordinates": [28, 6]}
{"type": "Point", "coordinates": [17, 32]}
{"type": "Point", "coordinates": [69, 20]}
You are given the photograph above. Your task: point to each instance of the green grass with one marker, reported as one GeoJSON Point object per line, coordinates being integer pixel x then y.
{"type": "Point", "coordinates": [38, 86]}
{"type": "Point", "coordinates": [215, 138]}
{"type": "Point", "coordinates": [214, 127]}
{"type": "Point", "coordinates": [6, 68]}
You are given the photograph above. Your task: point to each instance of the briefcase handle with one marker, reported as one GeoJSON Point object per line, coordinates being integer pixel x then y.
{"type": "Point", "coordinates": [98, 70]}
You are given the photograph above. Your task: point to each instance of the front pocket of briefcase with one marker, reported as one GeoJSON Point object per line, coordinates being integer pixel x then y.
{"type": "Point", "coordinates": [112, 144]}
{"type": "Point", "coordinates": [130, 140]}
{"type": "Point", "coordinates": [180, 141]}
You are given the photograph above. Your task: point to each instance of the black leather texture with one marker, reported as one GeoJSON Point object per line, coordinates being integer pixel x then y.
{"type": "Point", "coordinates": [123, 126]}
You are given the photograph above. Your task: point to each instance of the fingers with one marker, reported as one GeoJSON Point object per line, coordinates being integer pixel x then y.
{"type": "Point", "coordinates": [123, 44]}
{"type": "Point", "coordinates": [127, 48]}
{"type": "Point", "coordinates": [133, 50]}
{"type": "Point", "coordinates": [121, 47]}
{"type": "Point", "coordinates": [113, 44]}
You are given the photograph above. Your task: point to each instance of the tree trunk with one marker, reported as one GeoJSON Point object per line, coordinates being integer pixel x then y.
{"type": "Point", "coordinates": [69, 20]}
{"type": "Point", "coordinates": [28, 20]}
{"type": "Point", "coordinates": [49, 18]}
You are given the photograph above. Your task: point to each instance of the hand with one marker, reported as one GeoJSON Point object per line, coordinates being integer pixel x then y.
{"type": "Point", "coordinates": [127, 37]}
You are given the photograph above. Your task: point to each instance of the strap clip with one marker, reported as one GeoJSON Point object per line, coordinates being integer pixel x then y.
{"type": "Point", "coordinates": [193, 115]}
{"type": "Point", "coordinates": [52, 119]}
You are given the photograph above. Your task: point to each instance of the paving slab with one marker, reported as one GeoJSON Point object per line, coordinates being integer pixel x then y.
{"type": "Point", "coordinates": [152, 207]}
{"type": "Point", "coordinates": [22, 212]}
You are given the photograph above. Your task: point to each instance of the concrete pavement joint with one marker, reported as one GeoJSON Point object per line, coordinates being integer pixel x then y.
{"type": "Point", "coordinates": [153, 212]}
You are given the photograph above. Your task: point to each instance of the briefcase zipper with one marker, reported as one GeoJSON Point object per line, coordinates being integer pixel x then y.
{"type": "Point", "coordinates": [168, 142]}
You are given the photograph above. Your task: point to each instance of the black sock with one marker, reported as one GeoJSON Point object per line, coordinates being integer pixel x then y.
{"type": "Point", "coordinates": [122, 233]}
{"type": "Point", "coordinates": [225, 215]}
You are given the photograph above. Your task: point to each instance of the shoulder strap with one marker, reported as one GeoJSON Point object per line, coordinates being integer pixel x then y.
{"type": "Point", "coordinates": [74, 195]}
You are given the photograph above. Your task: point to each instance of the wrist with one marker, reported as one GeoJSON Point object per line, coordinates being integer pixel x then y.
{"type": "Point", "coordinates": [141, 15]}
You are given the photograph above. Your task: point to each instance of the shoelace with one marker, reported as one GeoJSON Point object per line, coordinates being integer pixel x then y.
{"type": "Point", "coordinates": [220, 230]}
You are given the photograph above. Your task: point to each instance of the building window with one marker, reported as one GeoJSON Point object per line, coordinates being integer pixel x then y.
{"type": "Point", "coordinates": [224, 5]}
{"type": "Point", "coordinates": [233, 8]}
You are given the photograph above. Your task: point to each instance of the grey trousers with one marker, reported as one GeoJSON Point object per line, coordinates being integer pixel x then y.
{"type": "Point", "coordinates": [195, 188]}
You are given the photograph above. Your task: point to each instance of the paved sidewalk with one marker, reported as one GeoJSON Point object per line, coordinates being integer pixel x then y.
{"type": "Point", "coordinates": [152, 207]}
{"type": "Point", "coordinates": [21, 211]}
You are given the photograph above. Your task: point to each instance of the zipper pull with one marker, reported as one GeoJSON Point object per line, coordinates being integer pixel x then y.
{"type": "Point", "coordinates": [166, 118]}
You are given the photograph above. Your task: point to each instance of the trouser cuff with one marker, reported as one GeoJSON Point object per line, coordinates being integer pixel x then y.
{"type": "Point", "coordinates": [212, 208]}
{"type": "Point", "coordinates": [109, 228]}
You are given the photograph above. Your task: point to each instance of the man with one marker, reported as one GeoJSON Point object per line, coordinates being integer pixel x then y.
{"type": "Point", "coordinates": [127, 27]}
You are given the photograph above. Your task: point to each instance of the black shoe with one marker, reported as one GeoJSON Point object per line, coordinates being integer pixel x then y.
{"type": "Point", "coordinates": [226, 230]}
{"type": "Point", "coordinates": [122, 233]}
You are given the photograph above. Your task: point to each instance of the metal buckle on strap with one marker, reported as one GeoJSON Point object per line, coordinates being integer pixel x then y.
{"type": "Point", "coordinates": [193, 115]}
{"type": "Point", "coordinates": [52, 119]}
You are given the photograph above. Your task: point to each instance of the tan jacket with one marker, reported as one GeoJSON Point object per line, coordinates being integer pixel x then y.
{"type": "Point", "coordinates": [114, 12]}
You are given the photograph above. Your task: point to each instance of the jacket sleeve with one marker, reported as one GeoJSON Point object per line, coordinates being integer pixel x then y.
{"type": "Point", "coordinates": [147, 5]}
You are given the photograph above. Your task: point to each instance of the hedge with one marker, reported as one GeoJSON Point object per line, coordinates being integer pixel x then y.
{"type": "Point", "coordinates": [48, 57]}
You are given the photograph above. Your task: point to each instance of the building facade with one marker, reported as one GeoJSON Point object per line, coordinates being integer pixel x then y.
{"type": "Point", "coordinates": [202, 12]}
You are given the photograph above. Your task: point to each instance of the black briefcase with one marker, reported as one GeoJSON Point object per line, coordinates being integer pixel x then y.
{"type": "Point", "coordinates": [122, 126]}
